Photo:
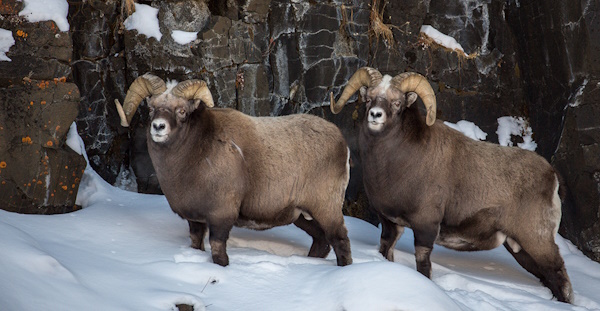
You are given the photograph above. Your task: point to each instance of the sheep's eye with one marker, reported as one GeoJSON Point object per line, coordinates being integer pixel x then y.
{"type": "Point", "coordinates": [151, 110]}
{"type": "Point", "coordinates": [181, 112]}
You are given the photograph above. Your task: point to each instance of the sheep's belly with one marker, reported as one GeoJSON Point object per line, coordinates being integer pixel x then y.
{"type": "Point", "coordinates": [464, 243]}
{"type": "Point", "coordinates": [251, 224]}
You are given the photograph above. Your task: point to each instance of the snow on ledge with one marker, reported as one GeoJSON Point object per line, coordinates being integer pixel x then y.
{"type": "Point", "coordinates": [469, 129]}
{"type": "Point", "coordinates": [6, 41]}
{"type": "Point", "coordinates": [47, 10]}
{"type": "Point", "coordinates": [183, 37]}
{"type": "Point", "coordinates": [516, 126]}
{"type": "Point", "coordinates": [442, 39]}
{"type": "Point", "coordinates": [145, 21]}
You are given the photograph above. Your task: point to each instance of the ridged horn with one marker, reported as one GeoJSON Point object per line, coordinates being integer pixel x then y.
{"type": "Point", "coordinates": [364, 76]}
{"type": "Point", "coordinates": [194, 89]}
{"type": "Point", "coordinates": [142, 87]}
{"type": "Point", "coordinates": [414, 82]}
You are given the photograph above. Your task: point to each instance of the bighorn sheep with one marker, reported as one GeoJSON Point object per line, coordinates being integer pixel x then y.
{"type": "Point", "coordinates": [219, 168]}
{"type": "Point", "coordinates": [450, 189]}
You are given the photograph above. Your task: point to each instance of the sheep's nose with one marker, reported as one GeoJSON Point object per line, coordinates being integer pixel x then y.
{"type": "Point", "coordinates": [376, 114]}
{"type": "Point", "coordinates": [159, 126]}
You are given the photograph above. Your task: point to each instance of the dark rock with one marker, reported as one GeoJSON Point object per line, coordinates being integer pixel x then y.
{"type": "Point", "coordinates": [183, 15]}
{"type": "Point", "coordinates": [39, 174]}
{"type": "Point", "coordinates": [99, 73]}
{"type": "Point", "coordinates": [253, 97]}
{"type": "Point", "coordinates": [184, 307]}
{"type": "Point", "coordinates": [577, 155]}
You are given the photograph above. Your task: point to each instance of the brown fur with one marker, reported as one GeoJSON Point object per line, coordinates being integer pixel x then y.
{"type": "Point", "coordinates": [460, 193]}
{"type": "Point", "coordinates": [221, 168]}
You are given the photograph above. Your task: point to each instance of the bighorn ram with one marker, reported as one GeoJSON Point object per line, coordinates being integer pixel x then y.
{"type": "Point", "coordinates": [219, 168]}
{"type": "Point", "coordinates": [450, 189]}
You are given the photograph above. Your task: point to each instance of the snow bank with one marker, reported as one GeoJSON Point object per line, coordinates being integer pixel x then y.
{"type": "Point", "coordinates": [47, 10]}
{"type": "Point", "coordinates": [183, 37]}
{"type": "Point", "coordinates": [145, 21]}
{"type": "Point", "coordinates": [469, 129]}
{"type": "Point", "coordinates": [516, 126]}
{"type": "Point", "coordinates": [6, 41]}
{"type": "Point", "coordinates": [442, 39]}
{"type": "Point", "coordinates": [129, 251]}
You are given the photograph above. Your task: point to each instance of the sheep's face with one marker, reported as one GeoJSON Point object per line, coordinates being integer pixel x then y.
{"type": "Point", "coordinates": [383, 103]}
{"type": "Point", "coordinates": [168, 114]}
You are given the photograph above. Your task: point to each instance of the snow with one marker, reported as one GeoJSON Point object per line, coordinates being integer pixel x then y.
{"type": "Point", "coordinates": [468, 128]}
{"type": "Point", "coordinates": [6, 41]}
{"type": "Point", "coordinates": [129, 251]}
{"type": "Point", "coordinates": [183, 37]}
{"type": "Point", "coordinates": [442, 39]}
{"type": "Point", "coordinates": [145, 21]}
{"type": "Point", "coordinates": [47, 10]}
{"type": "Point", "coordinates": [516, 126]}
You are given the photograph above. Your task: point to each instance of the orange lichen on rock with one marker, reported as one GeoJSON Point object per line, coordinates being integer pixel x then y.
{"type": "Point", "coordinates": [43, 102]}
{"type": "Point", "coordinates": [44, 84]}
{"type": "Point", "coordinates": [2, 164]}
{"type": "Point", "coordinates": [61, 79]}
{"type": "Point", "coordinates": [49, 143]}
{"type": "Point", "coordinates": [65, 188]}
{"type": "Point", "coordinates": [22, 34]}
{"type": "Point", "coordinates": [26, 140]}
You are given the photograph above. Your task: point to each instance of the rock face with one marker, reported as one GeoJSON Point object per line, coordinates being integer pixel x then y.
{"type": "Point", "coordinates": [38, 104]}
{"type": "Point", "coordinates": [577, 155]}
{"type": "Point", "coordinates": [537, 60]}
{"type": "Point", "coordinates": [99, 71]}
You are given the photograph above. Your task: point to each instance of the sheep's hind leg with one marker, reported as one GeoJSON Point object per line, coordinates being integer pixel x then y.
{"type": "Point", "coordinates": [218, 236]}
{"type": "Point", "coordinates": [390, 233]}
{"type": "Point", "coordinates": [197, 233]}
{"type": "Point", "coordinates": [337, 235]}
{"type": "Point", "coordinates": [341, 245]}
{"type": "Point", "coordinates": [542, 259]}
{"type": "Point", "coordinates": [525, 261]}
{"type": "Point", "coordinates": [319, 248]}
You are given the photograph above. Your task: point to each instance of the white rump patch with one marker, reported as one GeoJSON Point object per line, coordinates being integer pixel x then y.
{"type": "Point", "coordinates": [556, 206]}
{"type": "Point", "coordinates": [347, 169]}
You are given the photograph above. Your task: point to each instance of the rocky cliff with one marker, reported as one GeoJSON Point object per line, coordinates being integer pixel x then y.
{"type": "Point", "coordinates": [532, 59]}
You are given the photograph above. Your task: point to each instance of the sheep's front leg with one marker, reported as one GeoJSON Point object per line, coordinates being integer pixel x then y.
{"type": "Point", "coordinates": [197, 232]}
{"type": "Point", "coordinates": [424, 239]}
{"type": "Point", "coordinates": [218, 235]}
{"type": "Point", "coordinates": [390, 233]}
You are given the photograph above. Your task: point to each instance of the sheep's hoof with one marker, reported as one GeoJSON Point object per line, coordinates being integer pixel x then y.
{"type": "Point", "coordinates": [197, 243]}
{"type": "Point", "coordinates": [221, 259]}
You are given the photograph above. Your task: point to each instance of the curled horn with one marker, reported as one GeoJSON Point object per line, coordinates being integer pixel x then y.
{"type": "Point", "coordinates": [194, 89]}
{"type": "Point", "coordinates": [142, 87]}
{"type": "Point", "coordinates": [365, 76]}
{"type": "Point", "coordinates": [414, 82]}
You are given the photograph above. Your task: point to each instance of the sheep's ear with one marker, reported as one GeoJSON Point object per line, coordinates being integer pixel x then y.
{"type": "Point", "coordinates": [411, 97]}
{"type": "Point", "coordinates": [196, 103]}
